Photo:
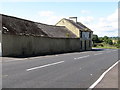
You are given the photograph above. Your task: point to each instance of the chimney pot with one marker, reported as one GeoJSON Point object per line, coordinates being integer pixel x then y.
{"type": "Point", "coordinates": [73, 19]}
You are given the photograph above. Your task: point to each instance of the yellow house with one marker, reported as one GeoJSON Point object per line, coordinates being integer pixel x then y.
{"type": "Point", "coordinates": [80, 30]}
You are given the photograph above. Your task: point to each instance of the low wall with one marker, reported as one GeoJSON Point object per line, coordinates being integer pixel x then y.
{"type": "Point", "coordinates": [13, 45]}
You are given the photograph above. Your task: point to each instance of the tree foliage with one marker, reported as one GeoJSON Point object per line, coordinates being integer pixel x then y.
{"type": "Point", "coordinates": [95, 39]}
{"type": "Point", "coordinates": [118, 44]}
{"type": "Point", "coordinates": [101, 41]}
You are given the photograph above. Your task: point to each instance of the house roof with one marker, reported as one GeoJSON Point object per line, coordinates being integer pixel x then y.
{"type": "Point", "coordinates": [17, 26]}
{"type": "Point", "coordinates": [56, 31]}
{"type": "Point", "coordinates": [84, 27]}
{"type": "Point", "coordinates": [79, 25]}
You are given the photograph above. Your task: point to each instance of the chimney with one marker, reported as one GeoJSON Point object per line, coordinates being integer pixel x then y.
{"type": "Point", "coordinates": [73, 19]}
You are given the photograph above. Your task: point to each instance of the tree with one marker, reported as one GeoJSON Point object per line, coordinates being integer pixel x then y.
{"type": "Point", "coordinates": [118, 44]}
{"type": "Point", "coordinates": [105, 37]}
{"type": "Point", "coordinates": [95, 39]}
{"type": "Point", "coordinates": [109, 41]}
{"type": "Point", "coordinates": [101, 39]}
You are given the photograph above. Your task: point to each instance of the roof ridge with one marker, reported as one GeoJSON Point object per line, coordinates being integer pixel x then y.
{"type": "Point", "coordinates": [49, 25]}
{"type": "Point", "coordinates": [79, 26]}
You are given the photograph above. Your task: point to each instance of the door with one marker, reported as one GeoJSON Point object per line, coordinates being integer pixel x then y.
{"type": "Point", "coordinates": [85, 44]}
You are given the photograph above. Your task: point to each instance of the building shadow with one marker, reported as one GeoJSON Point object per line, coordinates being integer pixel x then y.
{"type": "Point", "coordinates": [97, 49]}
{"type": "Point", "coordinates": [37, 55]}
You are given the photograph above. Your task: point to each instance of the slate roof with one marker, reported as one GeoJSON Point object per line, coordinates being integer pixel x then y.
{"type": "Point", "coordinates": [84, 27]}
{"type": "Point", "coordinates": [56, 31]}
{"type": "Point", "coordinates": [79, 25]}
{"type": "Point", "coordinates": [16, 26]}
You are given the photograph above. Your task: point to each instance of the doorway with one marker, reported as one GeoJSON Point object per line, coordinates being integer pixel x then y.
{"type": "Point", "coordinates": [85, 45]}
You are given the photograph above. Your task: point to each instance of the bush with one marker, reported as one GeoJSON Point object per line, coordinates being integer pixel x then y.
{"type": "Point", "coordinates": [117, 45]}
{"type": "Point", "coordinates": [94, 45]}
{"type": "Point", "coordinates": [101, 45]}
{"type": "Point", "coordinates": [98, 44]}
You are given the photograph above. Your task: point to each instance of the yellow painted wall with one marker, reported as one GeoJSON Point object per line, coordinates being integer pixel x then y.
{"type": "Point", "coordinates": [69, 26]}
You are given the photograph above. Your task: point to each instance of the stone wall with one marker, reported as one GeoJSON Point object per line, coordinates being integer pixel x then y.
{"type": "Point", "coordinates": [14, 45]}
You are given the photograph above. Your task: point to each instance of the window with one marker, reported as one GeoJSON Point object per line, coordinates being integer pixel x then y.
{"type": "Point", "coordinates": [89, 34]}
{"type": "Point", "coordinates": [81, 34]}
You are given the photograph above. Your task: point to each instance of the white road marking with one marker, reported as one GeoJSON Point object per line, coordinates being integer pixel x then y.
{"type": "Point", "coordinates": [102, 76]}
{"type": "Point", "coordinates": [82, 57]}
{"type": "Point", "coordinates": [3, 76]}
{"type": "Point", "coordinates": [115, 50]}
{"type": "Point", "coordinates": [44, 66]}
{"type": "Point", "coordinates": [101, 51]}
{"type": "Point", "coordinates": [98, 53]}
{"type": "Point", "coordinates": [108, 52]}
{"type": "Point", "coordinates": [91, 74]}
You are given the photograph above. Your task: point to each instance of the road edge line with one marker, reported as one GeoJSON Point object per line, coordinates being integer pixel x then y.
{"type": "Point", "coordinates": [102, 76]}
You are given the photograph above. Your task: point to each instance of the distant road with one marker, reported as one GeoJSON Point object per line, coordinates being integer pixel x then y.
{"type": "Point", "coordinates": [70, 70]}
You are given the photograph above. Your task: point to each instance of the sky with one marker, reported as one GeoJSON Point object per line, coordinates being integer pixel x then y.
{"type": "Point", "coordinates": [101, 17]}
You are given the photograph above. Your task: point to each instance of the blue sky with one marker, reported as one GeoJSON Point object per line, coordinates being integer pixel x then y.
{"type": "Point", "coordinates": [101, 17]}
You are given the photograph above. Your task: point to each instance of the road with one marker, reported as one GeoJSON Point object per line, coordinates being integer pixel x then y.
{"type": "Point", "coordinates": [70, 70]}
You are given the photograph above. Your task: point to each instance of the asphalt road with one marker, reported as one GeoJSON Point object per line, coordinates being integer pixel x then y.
{"type": "Point", "coordinates": [70, 70]}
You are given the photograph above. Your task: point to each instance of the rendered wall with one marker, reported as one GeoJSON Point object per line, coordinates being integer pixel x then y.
{"type": "Point", "coordinates": [69, 26]}
{"type": "Point", "coordinates": [13, 45]}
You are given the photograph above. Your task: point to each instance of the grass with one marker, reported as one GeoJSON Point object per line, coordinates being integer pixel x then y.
{"type": "Point", "coordinates": [106, 47]}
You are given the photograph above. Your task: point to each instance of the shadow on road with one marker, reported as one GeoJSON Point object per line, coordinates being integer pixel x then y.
{"type": "Point", "coordinates": [29, 56]}
{"type": "Point", "coordinates": [97, 49]}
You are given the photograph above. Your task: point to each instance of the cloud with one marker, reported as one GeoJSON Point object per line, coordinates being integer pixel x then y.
{"type": "Point", "coordinates": [85, 11]}
{"type": "Point", "coordinates": [86, 20]}
{"type": "Point", "coordinates": [105, 25]}
{"type": "Point", "coordinates": [109, 24]}
{"type": "Point", "coordinates": [113, 17]}
{"type": "Point", "coordinates": [49, 17]}
{"type": "Point", "coordinates": [46, 13]}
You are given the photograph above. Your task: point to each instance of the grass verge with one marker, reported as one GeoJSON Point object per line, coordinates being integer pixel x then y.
{"type": "Point", "coordinates": [106, 47]}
